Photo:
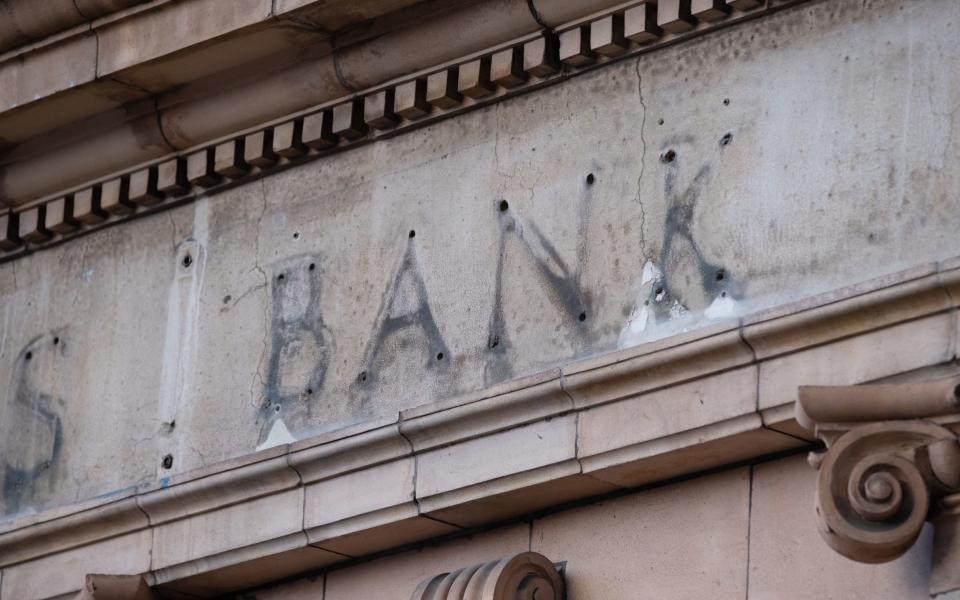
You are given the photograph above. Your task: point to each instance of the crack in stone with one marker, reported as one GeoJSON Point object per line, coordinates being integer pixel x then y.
{"type": "Point", "coordinates": [643, 161]}
{"type": "Point", "coordinates": [258, 375]}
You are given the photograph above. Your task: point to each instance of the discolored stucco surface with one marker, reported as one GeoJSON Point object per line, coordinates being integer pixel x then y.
{"type": "Point", "coordinates": [768, 162]}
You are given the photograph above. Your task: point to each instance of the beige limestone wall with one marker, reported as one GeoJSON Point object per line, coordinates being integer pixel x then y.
{"type": "Point", "coordinates": [743, 533]}
{"type": "Point", "coordinates": [301, 303]}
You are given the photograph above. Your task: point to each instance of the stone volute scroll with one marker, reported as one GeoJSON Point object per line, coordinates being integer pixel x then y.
{"type": "Point", "coordinates": [892, 462]}
{"type": "Point", "coordinates": [525, 576]}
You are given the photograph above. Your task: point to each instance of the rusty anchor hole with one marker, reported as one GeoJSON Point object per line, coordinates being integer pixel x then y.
{"type": "Point", "coordinates": [504, 205]}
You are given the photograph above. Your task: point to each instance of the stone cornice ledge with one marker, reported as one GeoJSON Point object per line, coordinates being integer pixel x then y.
{"type": "Point", "coordinates": [141, 182]}
{"type": "Point", "coordinates": [692, 401]}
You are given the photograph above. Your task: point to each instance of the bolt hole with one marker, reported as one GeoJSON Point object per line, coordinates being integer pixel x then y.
{"type": "Point", "coordinates": [362, 377]}
{"type": "Point", "coordinates": [296, 235]}
{"type": "Point", "coordinates": [720, 275]}
{"type": "Point", "coordinates": [723, 294]}
{"type": "Point", "coordinates": [439, 355]}
{"type": "Point", "coordinates": [312, 267]}
{"type": "Point", "coordinates": [726, 139]}
{"type": "Point", "coordinates": [726, 101]}
{"type": "Point", "coordinates": [276, 408]}
{"type": "Point", "coordinates": [28, 355]}
{"type": "Point", "coordinates": [658, 292]}
{"type": "Point", "coordinates": [668, 157]}
{"type": "Point", "coordinates": [504, 205]}
{"type": "Point", "coordinates": [187, 261]}
{"type": "Point", "coordinates": [590, 179]}
{"type": "Point", "coordinates": [582, 317]}
{"type": "Point", "coordinates": [659, 121]}
{"type": "Point", "coordinates": [167, 461]}
{"type": "Point", "coordinates": [413, 233]}
{"type": "Point", "coordinates": [309, 391]}
{"type": "Point", "coordinates": [280, 277]}
{"type": "Point", "coordinates": [495, 341]}
{"type": "Point", "coordinates": [56, 341]}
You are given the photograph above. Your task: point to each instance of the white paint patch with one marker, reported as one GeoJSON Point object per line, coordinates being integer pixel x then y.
{"type": "Point", "coordinates": [278, 436]}
{"type": "Point", "coordinates": [633, 331]}
{"type": "Point", "coordinates": [721, 308]}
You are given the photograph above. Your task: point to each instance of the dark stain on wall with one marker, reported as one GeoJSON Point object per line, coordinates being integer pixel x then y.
{"type": "Point", "coordinates": [689, 277]}
{"type": "Point", "coordinates": [300, 341]}
{"type": "Point", "coordinates": [33, 437]}
{"type": "Point", "coordinates": [405, 308]}
{"type": "Point", "coordinates": [562, 285]}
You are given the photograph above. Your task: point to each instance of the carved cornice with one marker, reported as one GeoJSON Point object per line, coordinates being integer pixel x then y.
{"type": "Point", "coordinates": [513, 67]}
{"type": "Point", "coordinates": [526, 576]}
{"type": "Point", "coordinates": [892, 454]}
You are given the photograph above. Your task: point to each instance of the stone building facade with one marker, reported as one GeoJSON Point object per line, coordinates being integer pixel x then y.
{"type": "Point", "coordinates": [479, 299]}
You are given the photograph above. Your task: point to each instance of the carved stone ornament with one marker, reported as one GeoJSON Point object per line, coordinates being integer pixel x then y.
{"type": "Point", "coordinates": [526, 576]}
{"type": "Point", "coordinates": [892, 460]}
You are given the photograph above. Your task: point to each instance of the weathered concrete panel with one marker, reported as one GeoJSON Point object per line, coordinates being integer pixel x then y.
{"type": "Point", "coordinates": [771, 161]}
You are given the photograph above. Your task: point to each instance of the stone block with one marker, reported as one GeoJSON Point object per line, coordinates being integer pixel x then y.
{"type": "Point", "coordinates": [172, 177]}
{"type": "Point", "coordinates": [63, 573]}
{"type": "Point", "coordinates": [359, 493]}
{"type": "Point", "coordinates": [668, 411]}
{"type": "Point", "coordinates": [473, 78]}
{"type": "Point", "coordinates": [607, 36]}
{"type": "Point", "coordinates": [410, 99]}
{"type": "Point", "coordinates": [287, 140]}
{"type": "Point", "coordinates": [647, 367]}
{"type": "Point", "coordinates": [251, 566]}
{"type": "Point", "coordinates": [348, 120]}
{"type": "Point", "coordinates": [86, 206]}
{"type": "Point", "coordinates": [114, 196]}
{"type": "Point", "coordinates": [506, 68]}
{"type": "Point", "coordinates": [687, 540]}
{"type": "Point", "coordinates": [515, 496]}
{"type": "Point", "coordinates": [317, 130]}
{"type": "Point", "coordinates": [674, 16]}
{"type": "Point", "coordinates": [228, 159]}
{"type": "Point", "coordinates": [200, 168]}
{"type": "Point", "coordinates": [143, 187]}
{"type": "Point", "coordinates": [541, 57]}
{"type": "Point", "coordinates": [442, 89]}
{"type": "Point", "coordinates": [709, 10]}
{"type": "Point", "coordinates": [227, 529]}
{"type": "Point", "coordinates": [258, 149]}
{"type": "Point", "coordinates": [378, 109]}
{"type": "Point", "coordinates": [396, 577]}
{"type": "Point", "coordinates": [692, 451]}
{"type": "Point", "coordinates": [488, 458]}
{"type": "Point", "coordinates": [640, 23]}
{"type": "Point", "coordinates": [575, 47]}
{"type": "Point", "coordinates": [32, 225]}
{"type": "Point", "coordinates": [858, 359]}
{"type": "Point", "coordinates": [784, 531]}
{"type": "Point", "coordinates": [60, 215]}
